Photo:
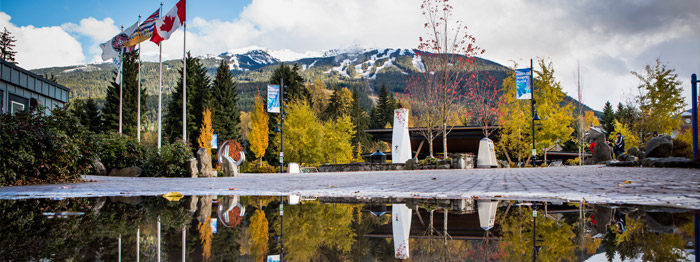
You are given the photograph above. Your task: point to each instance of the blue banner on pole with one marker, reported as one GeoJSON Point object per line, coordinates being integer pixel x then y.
{"type": "Point", "coordinates": [523, 86]}
{"type": "Point", "coordinates": [273, 98]}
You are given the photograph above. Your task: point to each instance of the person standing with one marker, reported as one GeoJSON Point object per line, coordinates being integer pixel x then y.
{"type": "Point", "coordinates": [619, 147]}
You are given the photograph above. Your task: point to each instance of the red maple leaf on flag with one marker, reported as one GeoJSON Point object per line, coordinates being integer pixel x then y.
{"type": "Point", "coordinates": [168, 22]}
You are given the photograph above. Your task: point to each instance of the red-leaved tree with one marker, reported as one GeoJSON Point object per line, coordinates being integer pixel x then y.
{"type": "Point", "coordinates": [447, 53]}
{"type": "Point", "coordinates": [483, 102]}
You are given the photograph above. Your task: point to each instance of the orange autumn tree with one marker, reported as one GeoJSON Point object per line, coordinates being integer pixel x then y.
{"type": "Point", "coordinates": [206, 131]}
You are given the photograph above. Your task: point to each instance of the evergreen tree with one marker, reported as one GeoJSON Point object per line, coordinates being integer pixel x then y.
{"type": "Point", "coordinates": [360, 120]}
{"type": "Point", "coordinates": [7, 42]}
{"type": "Point", "coordinates": [129, 98]}
{"type": "Point", "coordinates": [339, 104]}
{"type": "Point", "coordinates": [198, 98]}
{"type": "Point", "coordinates": [608, 118]}
{"type": "Point", "coordinates": [383, 112]}
{"type": "Point", "coordinates": [226, 114]}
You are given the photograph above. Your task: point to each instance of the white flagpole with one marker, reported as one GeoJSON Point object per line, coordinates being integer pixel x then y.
{"type": "Point", "coordinates": [138, 97]}
{"type": "Point", "coordinates": [121, 83]}
{"type": "Point", "coordinates": [184, 84]}
{"type": "Point", "coordinates": [160, 85]}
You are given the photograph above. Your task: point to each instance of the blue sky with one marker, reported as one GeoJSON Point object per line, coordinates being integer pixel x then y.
{"type": "Point", "coordinates": [608, 39]}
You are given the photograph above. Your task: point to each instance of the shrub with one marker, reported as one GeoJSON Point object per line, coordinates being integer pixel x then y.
{"type": "Point", "coordinates": [120, 151]}
{"type": "Point", "coordinates": [681, 149]}
{"type": "Point", "coordinates": [44, 149]}
{"type": "Point", "coordinates": [256, 167]}
{"type": "Point", "coordinates": [171, 162]}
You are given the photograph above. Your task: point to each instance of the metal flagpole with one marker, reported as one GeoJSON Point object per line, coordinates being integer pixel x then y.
{"type": "Point", "coordinates": [532, 102]}
{"type": "Point", "coordinates": [138, 98]}
{"type": "Point", "coordinates": [121, 83]}
{"type": "Point", "coordinates": [120, 248]}
{"type": "Point", "coordinates": [184, 237]}
{"type": "Point", "coordinates": [184, 84]}
{"type": "Point", "coordinates": [160, 89]}
{"type": "Point", "coordinates": [158, 251]}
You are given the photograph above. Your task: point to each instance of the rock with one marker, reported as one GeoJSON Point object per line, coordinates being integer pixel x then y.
{"type": "Point", "coordinates": [132, 171]}
{"type": "Point", "coordinates": [641, 155]}
{"type": "Point", "coordinates": [192, 167]}
{"type": "Point", "coordinates": [503, 164]}
{"type": "Point", "coordinates": [126, 200]}
{"type": "Point", "coordinates": [228, 167]}
{"type": "Point", "coordinates": [660, 146]}
{"type": "Point", "coordinates": [631, 158]}
{"type": "Point", "coordinates": [622, 157]}
{"type": "Point", "coordinates": [98, 169]}
{"type": "Point", "coordinates": [204, 162]}
{"type": "Point", "coordinates": [443, 166]}
{"type": "Point", "coordinates": [667, 162]}
{"type": "Point", "coordinates": [621, 163]}
{"type": "Point", "coordinates": [633, 151]}
{"type": "Point", "coordinates": [601, 152]}
{"type": "Point", "coordinates": [411, 164]}
{"type": "Point", "coordinates": [192, 203]}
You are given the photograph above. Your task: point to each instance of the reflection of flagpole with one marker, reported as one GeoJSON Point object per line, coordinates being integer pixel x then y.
{"type": "Point", "coordinates": [160, 93]}
{"type": "Point", "coordinates": [184, 85]}
{"type": "Point", "coordinates": [138, 243]}
{"type": "Point", "coordinates": [138, 97]}
{"type": "Point", "coordinates": [121, 76]}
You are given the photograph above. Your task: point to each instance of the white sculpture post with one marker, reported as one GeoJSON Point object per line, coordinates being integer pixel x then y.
{"type": "Point", "coordinates": [401, 229]}
{"type": "Point", "coordinates": [400, 140]}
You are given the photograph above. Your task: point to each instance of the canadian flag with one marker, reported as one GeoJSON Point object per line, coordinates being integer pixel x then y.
{"type": "Point", "coordinates": [167, 24]}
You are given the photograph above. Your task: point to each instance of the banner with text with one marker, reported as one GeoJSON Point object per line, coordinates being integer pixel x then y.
{"type": "Point", "coordinates": [273, 98]}
{"type": "Point", "coordinates": [523, 86]}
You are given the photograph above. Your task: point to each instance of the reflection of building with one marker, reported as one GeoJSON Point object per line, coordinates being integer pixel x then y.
{"type": "Point", "coordinates": [21, 89]}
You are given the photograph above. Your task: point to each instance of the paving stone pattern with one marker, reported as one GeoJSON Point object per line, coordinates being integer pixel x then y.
{"type": "Point", "coordinates": [596, 184]}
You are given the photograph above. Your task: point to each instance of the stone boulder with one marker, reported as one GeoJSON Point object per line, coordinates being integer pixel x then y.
{"type": "Point", "coordinates": [601, 151]}
{"type": "Point", "coordinates": [633, 151]}
{"type": "Point", "coordinates": [204, 162]}
{"type": "Point", "coordinates": [660, 146]}
{"type": "Point", "coordinates": [641, 155]}
{"type": "Point", "coordinates": [667, 162]}
{"type": "Point", "coordinates": [229, 168]}
{"type": "Point", "coordinates": [98, 169]}
{"type": "Point", "coordinates": [621, 163]}
{"type": "Point", "coordinates": [631, 158]}
{"type": "Point", "coordinates": [622, 157]}
{"type": "Point", "coordinates": [132, 171]}
{"type": "Point", "coordinates": [192, 168]}
{"type": "Point", "coordinates": [411, 164]}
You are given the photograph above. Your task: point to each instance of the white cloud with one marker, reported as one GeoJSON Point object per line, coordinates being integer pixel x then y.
{"type": "Point", "coordinates": [39, 47]}
{"type": "Point", "coordinates": [97, 31]}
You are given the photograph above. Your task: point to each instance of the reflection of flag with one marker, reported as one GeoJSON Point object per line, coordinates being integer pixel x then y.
{"type": "Point", "coordinates": [167, 24]}
{"type": "Point", "coordinates": [144, 31]}
{"type": "Point", "coordinates": [115, 46]}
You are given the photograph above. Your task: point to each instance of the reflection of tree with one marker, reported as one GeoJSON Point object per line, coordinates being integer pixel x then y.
{"type": "Point", "coordinates": [486, 250]}
{"type": "Point", "coordinates": [310, 226]}
{"type": "Point", "coordinates": [205, 236]}
{"type": "Point", "coordinates": [258, 235]}
{"type": "Point", "coordinates": [638, 240]}
{"type": "Point", "coordinates": [557, 244]}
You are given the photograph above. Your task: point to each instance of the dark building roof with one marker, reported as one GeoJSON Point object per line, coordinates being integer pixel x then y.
{"type": "Point", "coordinates": [461, 139]}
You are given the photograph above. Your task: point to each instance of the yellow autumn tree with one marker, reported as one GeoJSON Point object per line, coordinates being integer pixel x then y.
{"type": "Point", "coordinates": [258, 133]}
{"type": "Point", "coordinates": [555, 124]}
{"type": "Point", "coordinates": [589, 119]}
{"type": "Point", "coordinates": [206, 132]}
{"type": "Point", "coordinates": [515, 134]}
{"type": "Point", "coordinates": [337, 136]}
{"type": "Point", "coordinates": [629, 136]}
{"type": "Point", "coordinates": [303, 134]}
{"type": "Point", "coordinates": [258, 235]}
{"type": "Point", "coordinates": [556, 236]}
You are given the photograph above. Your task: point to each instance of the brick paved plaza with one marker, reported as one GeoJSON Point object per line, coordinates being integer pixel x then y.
{"type": "Point", "coordinates": [595, 184]}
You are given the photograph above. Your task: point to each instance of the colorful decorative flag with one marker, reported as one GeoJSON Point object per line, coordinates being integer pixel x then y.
{"type": "Point", "coordinates": [115, 46]}
{"type": "Point", "coordinates": [144, 31]}
{"type": "Point", "coordinates": [273, 98]}
{"type": "Point", "coordinates": [523, 86]}
{"type": "Point", "coordinates": [167, 24]}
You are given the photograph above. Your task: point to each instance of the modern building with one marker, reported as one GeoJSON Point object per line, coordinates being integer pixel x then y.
{"type": "Point", "coordinates": [21, 90]}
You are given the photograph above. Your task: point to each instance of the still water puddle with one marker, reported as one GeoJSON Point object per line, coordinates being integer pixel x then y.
{"type": "Point", "coordinates": [258, 228]}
